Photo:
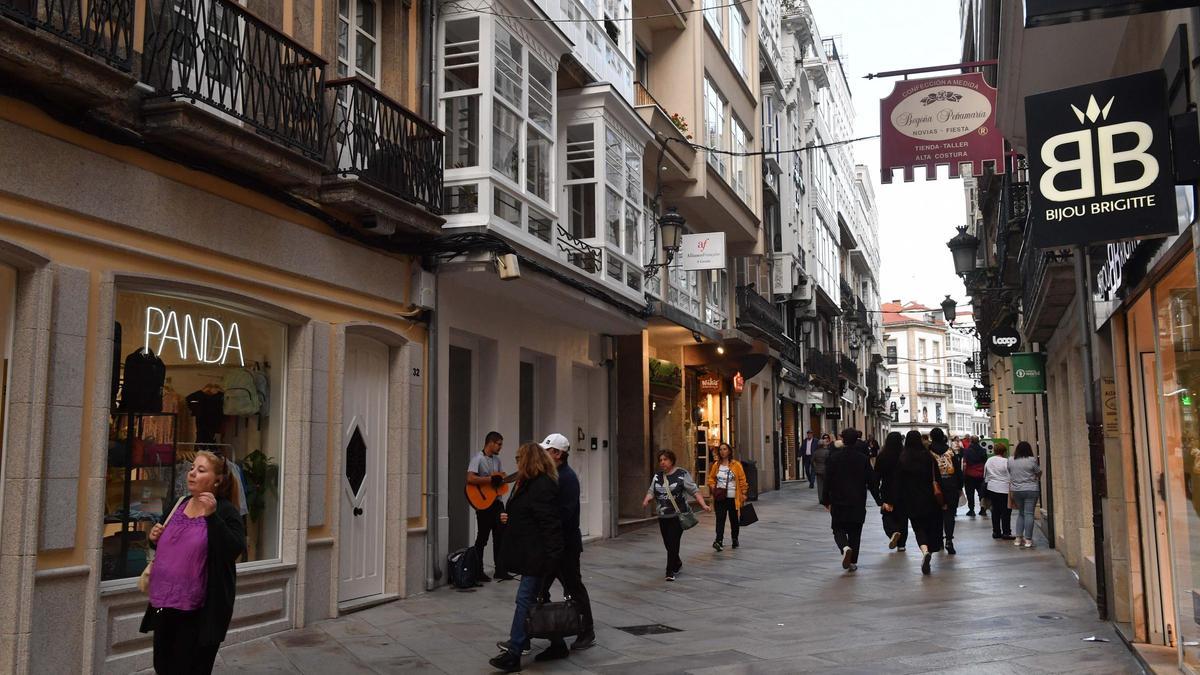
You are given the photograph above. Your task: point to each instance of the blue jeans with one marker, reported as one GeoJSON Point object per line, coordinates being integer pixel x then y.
{"type": "Point", "coordinates": [1026, 500]}
{"type": "Point", "coordinates": [527, 594]}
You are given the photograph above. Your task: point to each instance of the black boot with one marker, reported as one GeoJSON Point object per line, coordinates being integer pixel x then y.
{"type": "Point", "coordinates": [556, 650]}
{"type": "Point", "coordinates": [950, 546]}
{"type": "Point", "coordinates": [507, 662]}
{"type": "Point", "coordinates": [735, 544]}
{"type": "Point", "coordinates": [585, 639]}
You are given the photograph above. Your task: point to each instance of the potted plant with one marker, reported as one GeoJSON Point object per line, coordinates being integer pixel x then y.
{"type": "Point", "coordinates": [681, 124]}
{"type": "Point", "coordinates": [260, 473]}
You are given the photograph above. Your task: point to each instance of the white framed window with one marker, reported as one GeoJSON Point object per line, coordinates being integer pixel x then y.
{"type": "Point", "coordinates": [741, 164]}
{"type": "Point", "coordinates": [714, 126]}
{"type": "Point", "coordinates": [739, 25]}
{"type": "Point", "coordinates": [358, 39]}
{"type": "Point", "coordinates": [580, 181]}
{"type": "Point", "coordinates": [712, 15]}
{"type": "Point", "coordinates": [715, 300]}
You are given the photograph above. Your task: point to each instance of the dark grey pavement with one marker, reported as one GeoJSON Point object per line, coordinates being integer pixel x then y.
{"type": "Point", "coordinates": [779, 604]}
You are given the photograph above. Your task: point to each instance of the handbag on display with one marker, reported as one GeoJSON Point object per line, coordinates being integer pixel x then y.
{"type": "Point", "coordinates": [144, 579]}
{"type": "Point", "coordinates": [553, 620]}
{"type": "Point", "coordinates": [747, 515]}
{"type": "Point", "coordinates": [687, 519]}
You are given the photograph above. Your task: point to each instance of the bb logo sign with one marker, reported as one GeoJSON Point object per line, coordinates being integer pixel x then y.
{"type": "Point", "coordinates": [1004, 341]}
{"type": "Point", "coordinates": [1100, 162]}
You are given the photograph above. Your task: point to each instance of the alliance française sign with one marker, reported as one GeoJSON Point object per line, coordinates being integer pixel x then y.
{"type": "Point", "coordinates": [703, 251]}
{"type": "Point", "coordinates": [938, 121]}
{"type": "Point", "coordinates": [1100, 167]}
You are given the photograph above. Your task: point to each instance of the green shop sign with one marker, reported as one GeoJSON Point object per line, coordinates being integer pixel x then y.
{"type": "Point", "coordinates": [1029, 373]}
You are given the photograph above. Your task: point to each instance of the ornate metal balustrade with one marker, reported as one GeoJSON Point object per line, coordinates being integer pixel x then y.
{"type": "Point", "coordinates": [934, 388]}
{"type": "Point", "coordinates": [756, 314]}
{"type": "Point", "coordinates": [849, 368]}
{"type": "Point", "coordinates": [100, 28]}
{"type": "Point", "coordinates": [216, 53]}
{"type": "Point", "coordinates": [382, 143]}
{"type": "Point", "coordinates": [822, 368]}
{"type": "Point", "coordinates": [579, 253]}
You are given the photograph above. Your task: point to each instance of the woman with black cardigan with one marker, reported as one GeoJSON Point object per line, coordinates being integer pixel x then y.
{"type": "Point", "coordinates": [912, 493]}
{"type": "Point", "coordinates": [194, 578]}
{"type": "Point", "coordinates": [895, 523]}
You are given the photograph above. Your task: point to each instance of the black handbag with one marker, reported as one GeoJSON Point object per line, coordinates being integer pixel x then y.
{"type": "Point", "coordinates": [553, 620]}
{"type": "Point", "coordinates": [747, 516]}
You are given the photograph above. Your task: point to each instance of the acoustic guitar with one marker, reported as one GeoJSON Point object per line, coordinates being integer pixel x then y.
{"type": "Point", "coordinates": [483, 496]}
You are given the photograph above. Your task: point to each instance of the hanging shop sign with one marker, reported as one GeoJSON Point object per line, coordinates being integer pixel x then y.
{"type": "Point", "coordinates": [710, 384]}
{"type": "Point", "coordinates": [833, 413]}
{"type": "Point", "coordinates": [1054, 12]}
{"type": "Point", "coordinates": [1100, 162]}
{"type": "Point", "coordinates": [739, 383]}
{"type": "Point", "coordinates": [1003, 341]}
{"type": "Point", "coordinates": [203, 340]}
{"type": "Point", "coordinates": [1029, 373]}
{"type": "Point", "coordinates": [703, 251]}
{"type": "Point", "coordinates": [940, 121]}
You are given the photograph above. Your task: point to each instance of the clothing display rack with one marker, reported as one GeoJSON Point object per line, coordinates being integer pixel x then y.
{"type": "Point", "coordinates": [133, 426]}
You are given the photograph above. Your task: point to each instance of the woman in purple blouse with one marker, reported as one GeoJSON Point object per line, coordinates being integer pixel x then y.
{"type": "Point", "coordinates": [194, 578]}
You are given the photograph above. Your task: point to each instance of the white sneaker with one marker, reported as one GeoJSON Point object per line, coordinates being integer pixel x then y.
{"type": "Point", "coordinates": [1019, 542]}
{"type": "Point", "coordinates": [853, 567]}
{"type": "Point", "coordinates": [846, 553]}
{"type": "Point", "coordinates": [1028, 543]}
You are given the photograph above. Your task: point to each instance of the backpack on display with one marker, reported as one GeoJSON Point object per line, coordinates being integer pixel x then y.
{"type": "Point", "coordinates": [464, 568]}
{"type": "Point", "coordinates": [945, 464]}
{"type": "Point", "coordinates": [241, 394]}
{"type": "Point", "coordinates": [263, 386]}
{"type": "Point", "coordinates": [142, 387]}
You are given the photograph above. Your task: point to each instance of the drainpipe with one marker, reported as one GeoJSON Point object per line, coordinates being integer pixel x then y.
{"type": "Point", "coordinates": [1095, 428]}
{"type": "Point", "coordinates": [1049, 501]}
{"type": "Point", "coordinates": [614, 493]}
{"type": "Point", "coordinates": [433, 569]}
{"type": "Point", "coordinates": [428, 12]}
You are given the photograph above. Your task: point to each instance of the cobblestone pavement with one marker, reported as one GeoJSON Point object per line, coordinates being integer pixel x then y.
{"type": "Point", "coordinates": [779, 604]}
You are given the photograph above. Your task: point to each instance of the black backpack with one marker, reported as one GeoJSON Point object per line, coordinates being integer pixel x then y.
{"type": "Point", "coordinates": [464, 568]}
{"type": "Point", "coordinates": [142, 389]}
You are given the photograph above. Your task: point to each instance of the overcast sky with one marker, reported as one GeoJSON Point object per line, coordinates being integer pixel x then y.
{"type": "Point", "coordinates": [915, 219]}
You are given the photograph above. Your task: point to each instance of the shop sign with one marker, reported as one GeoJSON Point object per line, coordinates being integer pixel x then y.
{"type": "Point", "coordinates": [940, 121]}
{"type": "Point", "coordinates": [710, 384]}
{"type": "Point", "coordinates": [703, 251]}
{"type": "Point", "coordinates": [1108, 400]}
{"type": "Point", "coordinates": [1003, 341]}
{"type": "Point", "coordinates": [1100, 162]}
{"type": "Point", "coordinates": [1054, 12]}
{"type": "Point", "coordinates": [833, 413]}
{"type": "Point", "coordinates": [204, 340]}
{"type": "Point", "coordinates": [739, 383]}
{"type": "Point", "coordinates": [1029, 373]}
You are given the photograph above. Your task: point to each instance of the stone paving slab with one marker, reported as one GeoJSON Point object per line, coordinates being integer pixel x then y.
{"type": "Point", "coordinates": [779, 604]}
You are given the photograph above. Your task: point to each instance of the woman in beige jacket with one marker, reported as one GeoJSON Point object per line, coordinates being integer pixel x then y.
{"type": "Point", "coordinates": [728, 487]}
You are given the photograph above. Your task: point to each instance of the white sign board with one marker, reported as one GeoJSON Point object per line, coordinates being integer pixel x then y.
{"type": "Point", "coordinates": [703, 251]}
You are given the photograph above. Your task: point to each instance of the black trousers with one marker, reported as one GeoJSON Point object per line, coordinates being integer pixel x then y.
{"type": "Point", "coordinates": [806, 462]}
{"type": "Point", "coordinates": [487, 522]}
{"type": "Point", "coordinates": [177, 650]}
{"type": "Point", "coordinates": [974, 486]}
{"type": "Point", "coordinates": [848, 533]}
{"type": "Point", "coordinates": [571, 578]}
{"type": "Point", "coordinates": [895, 521]}
{"type": "Point", "coordinates": [723, 507]}
{"type": "Point", "coordinates": [672, 533]}
{"type": "Point", "coordinates": [928, 528]}
{"type": "Point", "coordinates": [1001, 514]}
{"type": "Point", "coordinates": [951, 513]}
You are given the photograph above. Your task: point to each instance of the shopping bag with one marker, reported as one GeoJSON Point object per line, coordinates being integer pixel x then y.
{"type": "Point", "coordinates": [747, 516]}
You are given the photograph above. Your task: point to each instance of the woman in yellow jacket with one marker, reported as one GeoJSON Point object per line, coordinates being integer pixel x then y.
{"type": "Point", "coordinates": [728, 487]}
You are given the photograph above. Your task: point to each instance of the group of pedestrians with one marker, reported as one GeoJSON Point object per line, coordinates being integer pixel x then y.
{"type": "Point", "coordinates": [1013, 483]}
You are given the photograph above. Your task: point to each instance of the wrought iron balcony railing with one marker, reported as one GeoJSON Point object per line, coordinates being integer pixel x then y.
{"type": "Point", "coordinates": [823, 368]}
{"type": "Point", "coordinates": [756, 314]}
{"type": "Point", "coordinates": [579, 253]}
{"type": "Point", "coordinates": [100, 28]}
{"type": "Point", "coordinates": [216, 53]}
{"type": "Point", "coordinates": [382, 143]}
{"type": "Point", "coordinates": [849, 367]}
{"type": "Point", "coordinates": [934, 388]}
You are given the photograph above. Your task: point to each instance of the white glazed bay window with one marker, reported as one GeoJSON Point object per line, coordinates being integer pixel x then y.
{"type": "Point", "coordinates": [714, 127]}
{"type": "Point", "coordinates": [497, 86]}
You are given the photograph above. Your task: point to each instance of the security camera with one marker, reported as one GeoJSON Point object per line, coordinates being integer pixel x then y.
{"type": "Point", "coordinates": [508, 266]}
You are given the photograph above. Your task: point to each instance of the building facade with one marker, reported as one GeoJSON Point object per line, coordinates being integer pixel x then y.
{"type": "Point", "coordinates": [916, 351]}
{"type": "Point", "coordinates": [1122, 514]}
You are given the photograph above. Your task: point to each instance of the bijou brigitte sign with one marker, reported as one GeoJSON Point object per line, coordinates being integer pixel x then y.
{"type": "Point", "coordinates": [940, 121]}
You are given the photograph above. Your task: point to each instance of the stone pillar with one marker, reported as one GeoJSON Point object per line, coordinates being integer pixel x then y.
{"type": "Point", "coordinates": [633, 424]}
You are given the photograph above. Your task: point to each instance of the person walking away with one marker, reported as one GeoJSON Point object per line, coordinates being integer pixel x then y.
{"type": "Point", "coordinates": [194, 578]}
{"type": "Point", "coordinates": [672, 485]}
{"type": "Point", "coordinates": [895, 523]}
{"type": "Point", "coordinates": [996, 481]}
{"type": "Point", "coordinates": [1024, 476]}
{"type": "Point", "coordinates": [847, 480]}
{"type": "Point", "coordinates": [950, 471]}
{"type": "Point", "coordinates": [872, 450]}
{"type": "Point", "coordinates": [728, 486]}
{"type": "Point", "coordinates": [913, 492]}
{"type": "Point", "coordinates": [486, 469]}
{"type": "Point", "coordinates": [569, 571]}
{"type": "Point", "coordinates": [974, 459]}
{"type": "Point", "coordinates": [819, 457]}
{"type": "Point", "coordinates": [533, 542]}
{"type": "Point", "coordinates": [806, 452]}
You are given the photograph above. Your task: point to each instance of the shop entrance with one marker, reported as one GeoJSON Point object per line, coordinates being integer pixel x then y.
{"type": "Point", "coordinates": [364, 481]}
{"type": "Point", "coordinates": [459, 407]}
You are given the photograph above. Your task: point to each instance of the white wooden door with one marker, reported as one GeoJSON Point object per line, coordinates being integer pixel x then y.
{"type": "Point", "coordinates": [581, 437]}
{"type": "Point", "coordinates": [364, 476]}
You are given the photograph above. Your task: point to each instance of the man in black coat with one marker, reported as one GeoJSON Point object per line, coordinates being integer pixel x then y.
{"type": "Point", "coordinates": [848, 478]}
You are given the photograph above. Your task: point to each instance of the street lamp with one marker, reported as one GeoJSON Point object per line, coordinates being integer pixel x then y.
{"type": "Point", "coordinates": [949, 309]}
{"type": "Point", "coordinates": [670, 231]}
{"type": "Point", "coordinates": [963, 247]}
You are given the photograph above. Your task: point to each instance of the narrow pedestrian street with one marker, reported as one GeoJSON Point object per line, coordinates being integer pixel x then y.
{"type": "Point", "coordinates": [779, 604]}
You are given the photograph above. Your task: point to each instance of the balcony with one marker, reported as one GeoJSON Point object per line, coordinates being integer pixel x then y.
{"type": "Point", "coordinates": [758, 316]}
{"type": "Point", "coordinates": [679, 154]}
{"type": "Point", "coordinates": [849, 368]}
{"type": "Point", "coordinates": [231, 88]}
{"type": "Point", "coordinates": [387, 161]}
{"type": "Point", "coordinates": [823, 369]}
{"type": "Point", "coordinates": [1047, 288]}
{"type": "Point", "coordinates": [930, 388]}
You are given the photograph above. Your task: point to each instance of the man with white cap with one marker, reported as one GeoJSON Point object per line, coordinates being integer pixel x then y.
{"type": "Point", "coordinates": [569, 575]}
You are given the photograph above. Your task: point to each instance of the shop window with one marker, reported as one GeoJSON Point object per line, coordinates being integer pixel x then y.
{"type": "Point", "coordinates": [197, 376]}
